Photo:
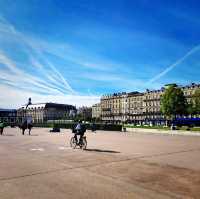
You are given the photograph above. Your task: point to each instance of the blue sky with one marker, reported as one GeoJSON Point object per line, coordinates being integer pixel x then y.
{"type": "Point", "coordinates": [75, 51]}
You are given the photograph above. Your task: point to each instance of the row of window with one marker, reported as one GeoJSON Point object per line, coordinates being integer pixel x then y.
{"type": "Point", "coordinates": [154, 103]}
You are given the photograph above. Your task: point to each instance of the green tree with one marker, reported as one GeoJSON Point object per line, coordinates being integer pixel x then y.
{"type": "Point", "coordinates": [196, 102]}
{"type": "Point", "coordinates": [173, 102]}
{"type": "Point", "coordinates": [190, 108]}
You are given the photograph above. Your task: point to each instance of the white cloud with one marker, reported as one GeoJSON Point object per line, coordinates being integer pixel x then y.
{"type": "Point", "coordinates": [17, 85]}
{"type": "Point", "coordinates": [14, 98]}
{"type": "Point", "coordinates": [52, 72]}
{"type": "Point", "coordinates": [21, 79]}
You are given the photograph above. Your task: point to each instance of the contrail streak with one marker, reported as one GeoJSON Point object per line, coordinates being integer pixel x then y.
{"type": "Point", "coordinates": [53, 75]}
{"type": "Point", "coordinates": [25, 78]}
{"type": "Point", "coordinates": [179, 61]}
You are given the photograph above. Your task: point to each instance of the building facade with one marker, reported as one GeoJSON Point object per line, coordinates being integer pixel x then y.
{"type": "Point", "coordinates": [135, 107]}
{"type": "Point", "coordinates": [138, 108]}
{"type": "Point", "coordinates": [152, 107]}
{"type": "Point", "coordinates": [111, 107]}
{"type": "Point", "coordinates": [96, 111]}
{"type": "Point", "coordinates": [42, 112]}
{"type": "Point", "coordinates": [122, 107]}
{"type": "Point", "coordinates": [189, 91]}
{"type": "Point", "coordinates": [8, 115]}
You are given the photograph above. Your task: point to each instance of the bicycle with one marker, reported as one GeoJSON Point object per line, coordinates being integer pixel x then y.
{"type": "Point", "coordinates": [82, 143]}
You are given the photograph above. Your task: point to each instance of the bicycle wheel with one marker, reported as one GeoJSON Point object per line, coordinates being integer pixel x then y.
{"type": "Point", "coordinates": [73, 142]}
{"type": "Point", "coordinates": [84, 143]}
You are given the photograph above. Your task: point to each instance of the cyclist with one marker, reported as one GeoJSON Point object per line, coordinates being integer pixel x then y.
{"type": "Point", "coordinates": [80, 129]}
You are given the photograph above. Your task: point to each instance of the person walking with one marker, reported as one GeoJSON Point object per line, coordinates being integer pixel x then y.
{"type": "Point", "coordinates": [1, 127]}
{"type": "Point", "coordinates": [93, 127]}
{"type": "Point", "coordinates": [29, 124]}
{"type": "Point", "coordinates": [23, 126]}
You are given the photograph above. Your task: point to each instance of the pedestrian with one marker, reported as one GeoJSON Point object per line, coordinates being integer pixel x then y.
{"type": "Point", "coordinates": [93, 127]}
{"type": "Point", "coordinates": [29, 124]}
{"type": "Point", "coordinates": [1, 127]}
{"type": "Point", "coordinates": [23, 126]}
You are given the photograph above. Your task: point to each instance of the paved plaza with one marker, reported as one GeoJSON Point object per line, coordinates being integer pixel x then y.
{"type": "Point", "coordinates": [116, 165]}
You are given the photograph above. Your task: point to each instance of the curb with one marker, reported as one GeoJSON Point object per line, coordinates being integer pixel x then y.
{"type": "Point", "coordinates": [163, 132]}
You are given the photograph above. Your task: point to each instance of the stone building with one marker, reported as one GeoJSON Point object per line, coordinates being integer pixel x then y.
{"type": "Point", "coordinates": [135, 107]}
{"type": "Point", "coordinates": [42, 112]}
{"type": "Point", "coordinates": [113, 107]}
{"type": "Point", "coordinates": [152, 107]}
{"type": "Point", "coordinates": [8, 115]}
{"type": "Point", "coordinates": [189, 91]}
{"type": "Point", "coordinates": [138, 108]}
{"type": "Point", "coordinates": [96, 111]}
{"type": "Point", "coordinates": [122, 107]}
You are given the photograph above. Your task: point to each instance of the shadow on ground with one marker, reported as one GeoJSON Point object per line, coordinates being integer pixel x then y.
{"type": "Point", "coordinates": [102, 151]}
{"type": "Point", "coordinates": [8, 135]}
{"type": "Point", "coordinates": [31, 135]}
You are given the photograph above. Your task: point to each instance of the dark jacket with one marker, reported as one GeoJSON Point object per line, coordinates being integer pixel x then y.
{"type": "Point", "coordinates": [2, 125]}
{"type": "Point", "coordinates": [83, 128]}
{"type": "Point", "coordinates": [74, 128]}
